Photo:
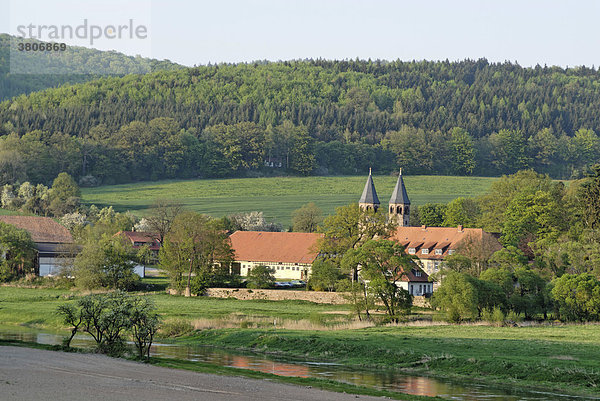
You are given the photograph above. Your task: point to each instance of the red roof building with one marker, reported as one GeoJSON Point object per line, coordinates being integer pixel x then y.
{"type": "Point", "coordinates": [139, 239]}
{"type": "Point", "coordinates": [434, 244]}
{"type": "Point", "coordinates": [289, 255]}
{"type": "Point", "coordinates": [52, 241]}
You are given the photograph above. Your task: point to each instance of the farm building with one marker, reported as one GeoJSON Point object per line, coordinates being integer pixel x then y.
{"type": "Point", "coordinates": [289, 255]}
{"type": "Point", "coordinates": [53, 242]}
{"type": "Point", "coordinates": [139, 240]}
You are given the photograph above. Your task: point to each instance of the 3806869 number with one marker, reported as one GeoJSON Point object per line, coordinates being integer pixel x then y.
{"type": "Point", "coordinates": [42, 47]}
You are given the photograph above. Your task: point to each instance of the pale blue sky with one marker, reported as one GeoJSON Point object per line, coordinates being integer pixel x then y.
{"type": "Point", "coordinates": [198, 32]}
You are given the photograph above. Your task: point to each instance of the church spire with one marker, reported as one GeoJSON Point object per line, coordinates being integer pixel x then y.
{"type": "Point", "coordinates": [369, 197]}
{"type": "Point", "coordinates": [399, 194]}
{"type": "Point", "coordinates": [399, 205]}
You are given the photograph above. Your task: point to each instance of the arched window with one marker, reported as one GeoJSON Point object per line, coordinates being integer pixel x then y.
{"type": "Point", "coordinates": [399, 209]}
{"type": "Point", "coordinates": [407, 210]}
{"type": "Point", "coordinates": [391, 209]}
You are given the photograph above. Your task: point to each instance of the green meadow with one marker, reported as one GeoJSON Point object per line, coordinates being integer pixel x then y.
{"type": "Point", "coordinates": [277, 197]}
{"type": "Point", "coordinates": [36, 308]}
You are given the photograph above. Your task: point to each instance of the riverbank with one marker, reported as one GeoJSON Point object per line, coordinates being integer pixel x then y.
{"type": "Point", "coordinates": [117, 378]}
{"type": "Point", "coordinates": [553, 358]}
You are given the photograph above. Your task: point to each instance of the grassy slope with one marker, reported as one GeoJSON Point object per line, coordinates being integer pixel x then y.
{"type": "Point", "coordinates": [278, 197]}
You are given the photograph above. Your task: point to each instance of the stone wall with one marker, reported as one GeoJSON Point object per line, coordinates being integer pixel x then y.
{"type": "Point", "coordinates": [421, 301]}
{"type": "Point", "coordinates": [320, 297]}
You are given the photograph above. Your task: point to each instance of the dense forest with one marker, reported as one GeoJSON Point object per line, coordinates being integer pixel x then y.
{"type": "Point", "coordinates": [308, 117]}
{"type": "Point", "coordinates": [65, 67]}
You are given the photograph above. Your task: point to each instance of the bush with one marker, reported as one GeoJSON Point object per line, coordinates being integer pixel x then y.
{"type": "Point", "coordinates": [107, 263]}
{"type": "Point", "coordinates": [457, 296]}
{"type": "Point", "coordinates": [464, 297]}
{"type": "Point", "coordinates": [109, 317]}
{"type": "Point", "coordinates": [495, 316]}
{"type": "Point", "coordinates": [260, 277]}
{"type": "Point", "coordinates": [324, 275]}
{"type": "Point", "coordinates": [577, 297]}
{"type": "Point", "coordinates": [176, 328]}
{"type": "Point", "coordinates": [513, 316]}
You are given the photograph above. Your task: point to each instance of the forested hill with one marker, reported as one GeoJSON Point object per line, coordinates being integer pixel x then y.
{"type": "Point", "coordinates": [318, 117]}
{"type": "Point", "coordinates": [67, 67]}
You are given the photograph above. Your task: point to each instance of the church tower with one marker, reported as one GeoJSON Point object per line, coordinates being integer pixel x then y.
{"type": "Point", "coordinates": [399, 207]}
{"type": "Point", "coordinates": [369, 199]}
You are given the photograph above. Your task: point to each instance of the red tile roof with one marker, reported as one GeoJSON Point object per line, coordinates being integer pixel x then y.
{"type": "Point", "coordinates": [261, 246]}
{"type": "Point", "coordinates": [445, 238]}
{"type": "Point", "coordinates": [137, 236]}
{"type": "Point", "coordinates": [41, 229]}
{"type": "Point", "coordinates": [410, 276]}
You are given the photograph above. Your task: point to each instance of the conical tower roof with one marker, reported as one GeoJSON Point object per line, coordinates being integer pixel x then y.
{"type": "Point", "coordinates": [369, 194]}
{"type": "Point", "coordinates": [399, 195]}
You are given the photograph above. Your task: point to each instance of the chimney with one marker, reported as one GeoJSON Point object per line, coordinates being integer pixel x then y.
{"type": "Point", "coordinates": [460, 228]}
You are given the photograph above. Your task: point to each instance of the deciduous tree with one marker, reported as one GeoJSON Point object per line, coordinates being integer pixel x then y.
{"type": "Point", "coordinates": [307, 218]}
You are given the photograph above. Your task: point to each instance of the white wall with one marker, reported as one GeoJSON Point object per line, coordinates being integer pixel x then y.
{"type": "Point", "coordinates": [52, 266]}
{"type": "Point", "coordinates": [140, 270]}
{"type": "Point", "coordinates": [280, 271]}
{"type": "Point", "coordinates": [417, 288]}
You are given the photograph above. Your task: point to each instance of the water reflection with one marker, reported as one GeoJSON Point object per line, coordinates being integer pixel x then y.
{"type": "Point", "coordinates": [380, 379]}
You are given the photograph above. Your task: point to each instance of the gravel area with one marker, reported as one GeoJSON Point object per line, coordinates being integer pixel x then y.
{"type": "Point", "coordinates": [32, 374]}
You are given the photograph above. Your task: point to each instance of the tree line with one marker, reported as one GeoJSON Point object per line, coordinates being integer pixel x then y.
{"type": "Point", "coordinates": [73, 65]}
{"type": "Point", "coordinates": [314, 117]}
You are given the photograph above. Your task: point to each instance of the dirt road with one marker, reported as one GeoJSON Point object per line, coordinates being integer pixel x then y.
{"type": "Point", "coordinates": [31, 374]}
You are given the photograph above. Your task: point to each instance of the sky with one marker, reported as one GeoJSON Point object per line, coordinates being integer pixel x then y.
{"type": "Point", "coordinates": [198, 32]}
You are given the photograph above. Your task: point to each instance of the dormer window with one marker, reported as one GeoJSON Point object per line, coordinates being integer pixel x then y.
{"type": "Point", "coordinates": [412, 251]}
{"type": "Point", "coordinates": [451, 252]}
{"type": "Point", "coordinates": [438, 252]}
{"type": "Point", "coordinates": [425, 251]}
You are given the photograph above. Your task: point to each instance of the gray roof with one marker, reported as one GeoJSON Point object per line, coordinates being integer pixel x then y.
{"type": "Point", "coordinates": [369, 194]}
{"type": "Point", "coordinates": [399, 194]}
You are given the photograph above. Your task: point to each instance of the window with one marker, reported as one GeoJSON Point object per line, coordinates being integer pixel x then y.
{"type": "Point", "coordinates": [412, 251]}
{"type": "Point", "coordinates": [438, 251]}
{"type": "Point", "coordinates": [425, 251]}
{"type": "Point", "coordinates": [451, 252]}
{"type": "Point", "coordinates": [417, 273]}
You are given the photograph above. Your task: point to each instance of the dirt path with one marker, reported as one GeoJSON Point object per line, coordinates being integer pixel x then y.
{"type": "Point", "coordinates": [32, 374]}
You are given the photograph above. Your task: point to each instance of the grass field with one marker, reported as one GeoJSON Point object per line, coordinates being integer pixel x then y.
{"type": "Point", "coordinates": [277, 197]}
{"type": "Point", "coordinates": [36, 307]}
